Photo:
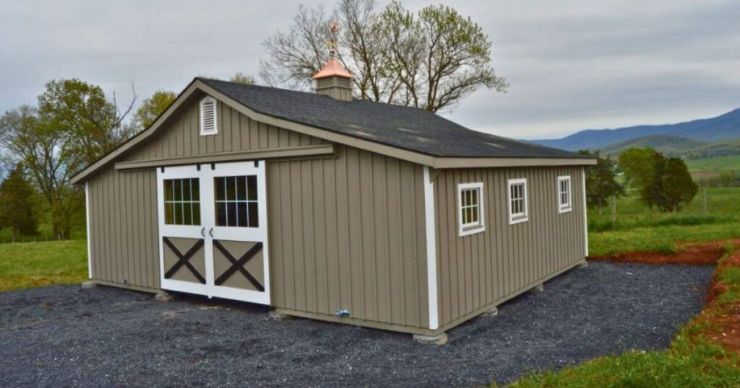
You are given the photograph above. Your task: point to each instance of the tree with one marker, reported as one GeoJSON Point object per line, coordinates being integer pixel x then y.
{"type": "Point", "coordinates": [642, 168]}
{"type": "Point", "coordinates": [439, 55]}
{"type": "Point", "coordinates": [244, 79]}
{"type": "Point", "coordinates": [664, 183]}
{"type": "Point", "coordinates": [17, 203]}
{"type": "Point", "coordinates": [601, 183]}
{"type": "Point", "coordinates": [73, 126]}
{"type": "Point", "coordinates": [638, 165]}
{"type": "Point", "coordinates": [677, 187]}
{"type": "Point", "coordinates": [80, 109]}
{"type": "Point", "coordinates": [151, 108]}
{"type": "Point", "coordinates": [430, 60]}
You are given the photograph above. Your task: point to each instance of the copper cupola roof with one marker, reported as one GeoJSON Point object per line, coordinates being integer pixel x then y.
{"type": "Point", "coordinates": [332, 68]}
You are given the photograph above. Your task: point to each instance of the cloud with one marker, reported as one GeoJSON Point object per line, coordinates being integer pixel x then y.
{"type": "Point", "coordinates": [571, 64]}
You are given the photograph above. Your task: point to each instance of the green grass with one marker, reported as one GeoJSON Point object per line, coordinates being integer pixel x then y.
{"type": "Point", "coordinates": [716, 163]}
{"type": "Point", "coordinates": [686, 364]}
{"type": "Point", "coordinates": [639, 229]}
{"type": "Point", "coordinates": [26, 265]}
{"type": "Point", "coordinates": [692, 360]}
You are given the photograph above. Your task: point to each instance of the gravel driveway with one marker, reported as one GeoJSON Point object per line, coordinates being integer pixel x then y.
{"type": "Point", "coordinates": [65, 335]}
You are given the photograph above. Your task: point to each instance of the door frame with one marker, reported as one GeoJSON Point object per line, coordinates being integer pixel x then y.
{"type": "Point", "coordinates": [208, 231]}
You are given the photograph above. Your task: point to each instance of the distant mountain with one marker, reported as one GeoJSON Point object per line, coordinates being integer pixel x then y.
{"type": "Point", "coordinates": [667, 144]}
{"type": "Point", "coordinates": [724, 127]}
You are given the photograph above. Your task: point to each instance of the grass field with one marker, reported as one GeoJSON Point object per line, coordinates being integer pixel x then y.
{"type": "Point", "coordinates": [715, 164]}
{"type": "Point", "coordinates": [25, 265]}
{"type": "Point", "coordinates": [639, 229]}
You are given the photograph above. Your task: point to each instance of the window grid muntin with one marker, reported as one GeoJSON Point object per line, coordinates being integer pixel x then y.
{"type": "Point", "coordinates": [236, 201]}
{"type": "Point", "coordinates": [182, 201]}
{"type": "Point", "coordinates": [470, 207]}
{"type": "Point", "coordinates": [517, 199]}
{"type": "Point", "coordinates": [564, 194]}
{"type": "Point", "coordinates": [518, 211]}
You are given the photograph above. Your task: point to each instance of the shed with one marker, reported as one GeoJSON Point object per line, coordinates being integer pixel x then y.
{"type": "Point", "coordinates": [327, 207]}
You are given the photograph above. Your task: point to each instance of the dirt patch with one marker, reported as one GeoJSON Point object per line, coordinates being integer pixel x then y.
{"type": "Point", "coordinates": [688, 253]}
{"type": "Point", "coordinates": [721, 321]}
{"type": "Point", "coordinates": [725, 328]}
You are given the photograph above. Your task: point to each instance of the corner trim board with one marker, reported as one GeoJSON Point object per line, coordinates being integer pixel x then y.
{"type": "Point", "coordinates": [431, 240]}
{"type": "Point", "coordinates": [585, 213]}
{"type": "Point", "coordinates": [88, 237]}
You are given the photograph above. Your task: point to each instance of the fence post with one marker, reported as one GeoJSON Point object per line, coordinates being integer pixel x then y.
{"type": "Point", "coordinates": [614, 211]}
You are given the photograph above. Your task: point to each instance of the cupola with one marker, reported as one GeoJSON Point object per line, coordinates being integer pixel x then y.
{"type": "Point", "coordinates": [333, 79]}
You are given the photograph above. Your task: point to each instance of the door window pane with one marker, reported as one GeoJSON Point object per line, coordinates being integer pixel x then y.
{"type": "Point", "coordinates": [219, 187]}
{"type": "Point", "coordinates": [241, 188]}
{"type": "Point", "coordinates": [252, 187]}
{"type": "Point", "coordinates": [221, 214]}
{"type": "Point", "coordinates": [230, 188]}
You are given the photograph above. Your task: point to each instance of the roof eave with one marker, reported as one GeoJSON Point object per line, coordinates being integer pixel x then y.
{"type": "Point", "coordinates": [447, 163]}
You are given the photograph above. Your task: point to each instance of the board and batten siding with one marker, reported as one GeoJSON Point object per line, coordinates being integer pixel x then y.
{"type": "Point", "coordinates": [481, 270]}
{"type": "Point", "coordinates": [236, 132]}
{"type": "Point", "coordinates": [348, 233]}
{"type": "Point", "coordinates": [123, 228]}
{"type": "Point", "coordinates": [345, 232]}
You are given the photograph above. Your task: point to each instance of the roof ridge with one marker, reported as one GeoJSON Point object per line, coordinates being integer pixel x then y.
{"type": "Point", "coordinates": [314, 94]}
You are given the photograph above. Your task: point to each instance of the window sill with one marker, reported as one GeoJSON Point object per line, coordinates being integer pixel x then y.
{"type": "Point", "coordinates": [565, 210]}
{"type": "Point", "coordinates": [518, 220]}
{"type": "Point", "coordinates": [468, 232]}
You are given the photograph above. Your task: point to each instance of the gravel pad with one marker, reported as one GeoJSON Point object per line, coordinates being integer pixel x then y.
{"type": "Point", "coordinates": [66, 335]}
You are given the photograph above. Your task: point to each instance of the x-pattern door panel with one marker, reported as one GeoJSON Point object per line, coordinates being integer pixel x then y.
{"type": "Point", "coordinates": [213, 230]}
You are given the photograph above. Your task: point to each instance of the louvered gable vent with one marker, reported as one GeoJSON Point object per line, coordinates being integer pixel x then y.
{"type": "Point", "coordinates": [208, 117]}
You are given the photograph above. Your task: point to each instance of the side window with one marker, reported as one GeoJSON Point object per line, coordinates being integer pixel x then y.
{"type": "Point", "coordinates": [518, 207]}
{"type": "Point", "coordinates": [564, 194]}
{"type": "Point", "coordinates": [208, 116]}
{"type": "Point", "coordinates": [470, 208]}
{"type": "Point", "coordinates": [182, 201]}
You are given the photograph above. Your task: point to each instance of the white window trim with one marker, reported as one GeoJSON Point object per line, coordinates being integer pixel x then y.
{"type": "Point", "coordinates": [569, 206]}
{"type": "Point", "coordinates": [480, 226]}
{"type": "Point", "coordinates": [215, 116]}
{"type": "Point", "coordinates": [519, 217]}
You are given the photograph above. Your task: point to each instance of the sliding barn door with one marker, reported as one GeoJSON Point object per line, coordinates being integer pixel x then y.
{"type": "Point", "coordinates": [213, 230]}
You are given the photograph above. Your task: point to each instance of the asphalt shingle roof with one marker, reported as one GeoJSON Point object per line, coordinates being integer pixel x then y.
{"type": "Point", "coordinates": [402, 127]}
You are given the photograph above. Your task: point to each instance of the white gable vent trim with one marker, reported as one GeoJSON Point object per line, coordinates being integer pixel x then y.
{"type": "Point", "coordinates": [208, 116]}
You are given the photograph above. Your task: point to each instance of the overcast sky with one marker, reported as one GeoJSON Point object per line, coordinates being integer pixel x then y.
{"type": "Point", "coordinates": [571, 64]}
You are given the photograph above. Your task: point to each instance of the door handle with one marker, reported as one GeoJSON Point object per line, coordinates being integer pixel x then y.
{"type": "Point", "coordinates": [210, 232]}
{"type": "Point", "coordinates": [203, 231]}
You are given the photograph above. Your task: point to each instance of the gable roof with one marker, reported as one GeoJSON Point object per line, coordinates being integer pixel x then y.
{"type": "Point", "coordinates": [402, 132]}
{"type": "Point", "coordinates": [402, 127]}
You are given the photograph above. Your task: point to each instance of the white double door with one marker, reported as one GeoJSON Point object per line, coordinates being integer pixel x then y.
{"type": "Point", "coordinates": [213, 230]}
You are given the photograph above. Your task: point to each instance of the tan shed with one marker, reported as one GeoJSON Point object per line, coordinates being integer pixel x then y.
{"type": "Point", "coordinates": [326, 207]}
